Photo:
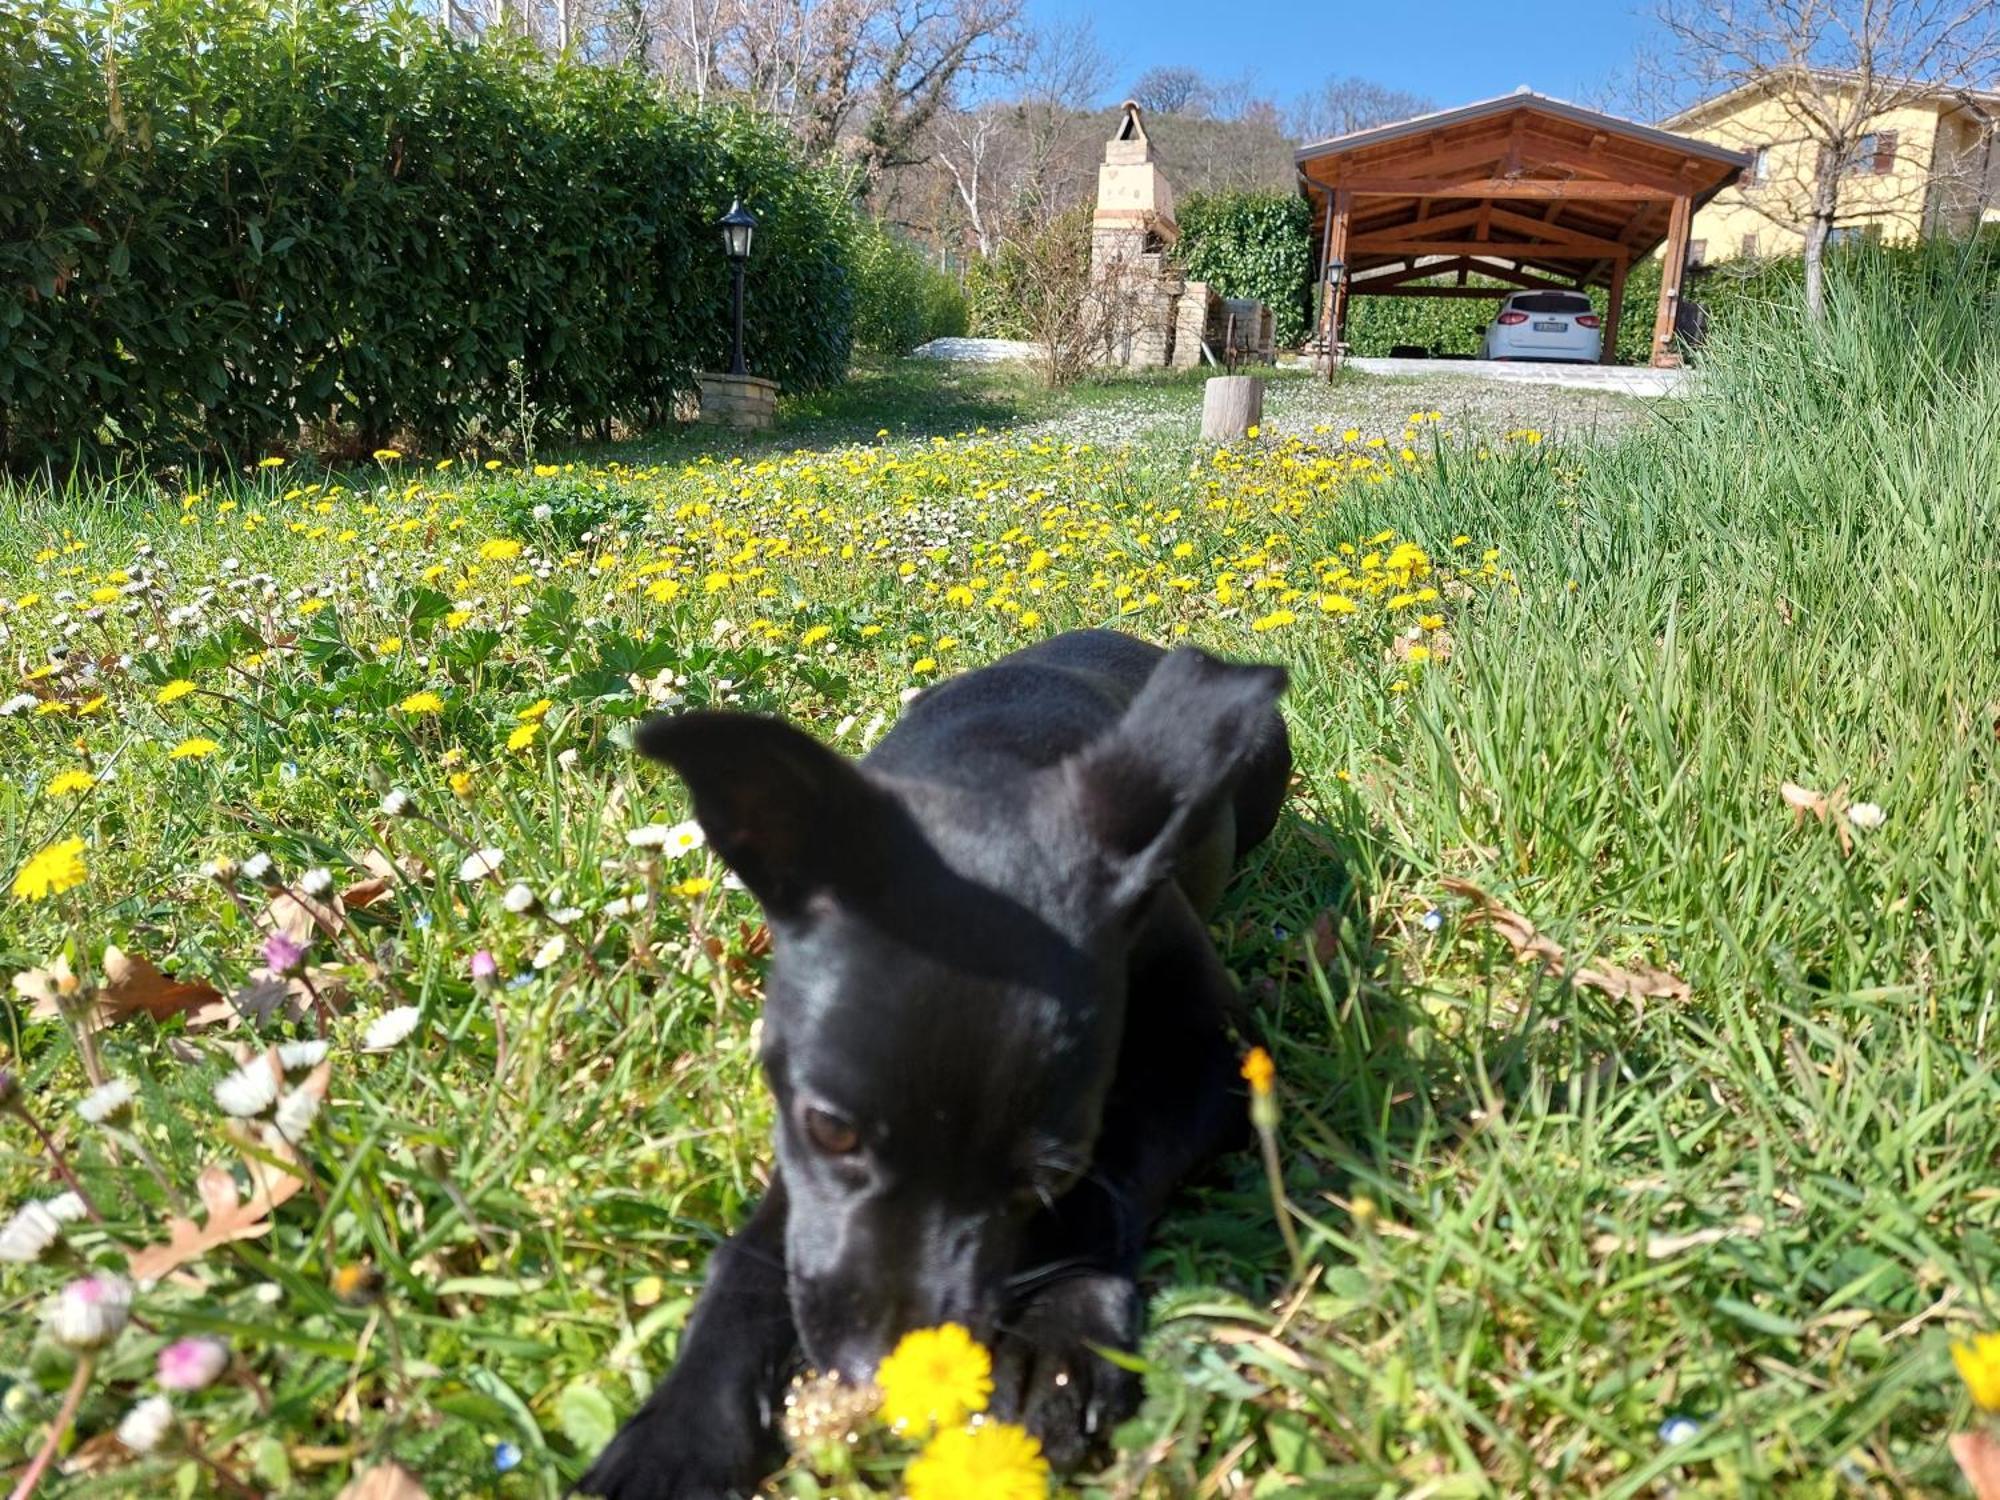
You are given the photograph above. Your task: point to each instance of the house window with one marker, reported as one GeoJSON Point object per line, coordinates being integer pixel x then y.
{"type": "Point", "coordinates": [1697, 252]}
{"type": "Point", "coordinates": [1874, 155]}
{"type": "Point", "coordinates": [1760, 166]}
{"type": "Point", "coordinates": [1750, 245]}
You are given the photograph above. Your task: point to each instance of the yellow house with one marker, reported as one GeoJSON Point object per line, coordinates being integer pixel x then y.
{"type": "Point", "coordinates": [1930, 166]}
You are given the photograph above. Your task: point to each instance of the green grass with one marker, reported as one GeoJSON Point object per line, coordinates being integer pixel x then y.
{"type": "Point", "coordinates": [1540, 1221]}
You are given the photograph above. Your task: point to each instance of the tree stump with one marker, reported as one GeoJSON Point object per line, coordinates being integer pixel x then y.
{"type": "Point", "coordinates": [1230, 406]}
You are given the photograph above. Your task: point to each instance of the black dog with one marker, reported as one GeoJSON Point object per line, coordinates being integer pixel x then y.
{"type": "Point", "coordinates": [996, 1030]}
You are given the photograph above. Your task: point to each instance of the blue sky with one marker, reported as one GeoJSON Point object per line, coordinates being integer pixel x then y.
{"type": "Point", "coordinates": [1453, 51]}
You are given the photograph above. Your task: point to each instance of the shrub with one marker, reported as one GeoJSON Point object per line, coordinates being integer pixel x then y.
{"type": "Point", "coordinates": [222, 221]}
{"type": "Point", "coordinates": [1253, 245]}
{"type": "Point", "coordinates": [901, 300]}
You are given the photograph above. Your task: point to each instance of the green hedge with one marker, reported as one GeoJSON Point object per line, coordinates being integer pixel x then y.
{"type": "Point", "coordinates": [1253, 245]}
{"type": "Point", "coordinates": [901, 300]}
{"type": "Point", "coordinates": [224, 221]}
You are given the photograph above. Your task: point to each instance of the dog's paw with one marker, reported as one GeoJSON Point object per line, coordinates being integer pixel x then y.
{"type": "Point", "coordinates": [676, 1449]}
{"type": "Point", "coordinates": [1048, 1376]}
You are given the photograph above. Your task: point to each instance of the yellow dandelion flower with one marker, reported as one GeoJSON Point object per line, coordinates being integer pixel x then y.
{"type": "Point", "coordinates": [935, 1377]}
{"type": "Point", "coordinates": [1417, 655]}
{"type": "Point", "coordinates": [815, 634]}
{"type": "Point", "coordinates": [174, 691]}
{"type": "Point", "coordinates": [524, 736]}
{"type": "Point", "coordinates": [386, 455]}
{"type": "Point", "coordinates": [461, 784]}
{"type": "Point", "coordinates": [422, 703]}
{"type": "Point", "coordinates": [536, 710]}
{"type": "Point", "coordinates": [273, 462]}
{"type": "Point", "coordinates": [70, 783]}
{"type": "Point", "coordinates": [500, 549]}
{"type": "Point", "coordinates": [924, 664]}
{"type": "Point", "coordinates": [51, 871]}
{"type": "Point", "coordinates": [1259, 1071]}
{"type": "Point", "coordinates": [92, 706]}
{"type": "Point", "coordinates": [1277, 619]}
{"type": "Point", "coordinates": [1979, 1367]}
{"type": "Point", "coordinates": [694, 885]}
{"type": "Point", "coordinates": [196, 748]}
{"type": "Point", "coordinates": [993, 1461]}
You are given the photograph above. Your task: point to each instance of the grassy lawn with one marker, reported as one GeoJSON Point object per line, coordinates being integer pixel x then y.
{"type": "Point", "coordinates": [1636, 1115]}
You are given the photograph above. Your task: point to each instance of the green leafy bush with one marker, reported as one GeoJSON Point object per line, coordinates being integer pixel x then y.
{"type": "Point", "coordinates": [901, 300]}
{"type": "Point", "coordinates": [1253, 245]}
{"type": "Point", "coordinates": [223, 221]}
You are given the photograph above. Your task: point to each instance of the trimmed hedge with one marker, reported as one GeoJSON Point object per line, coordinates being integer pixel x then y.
{"type": "Point", "coordinates": [1253, 245]}
{"type": "Point", "coordinates": [225, 221]}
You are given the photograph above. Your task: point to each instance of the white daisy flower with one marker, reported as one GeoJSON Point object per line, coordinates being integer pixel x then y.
{"type": "Point", "coordinates": [294, 1056]}
{"type": "Point", "coordinates": [106, 1102]}
{"type": "Point", "coordinates": [481, 864]}
{"type": "Point", "coordinates": [1867, 816]}
{"type": "Point", "coordinates": [316, 882]}
{"type": "Point", "coordinates": [551, 951]}
{"type": "Point", "coordinates": [250, 1090]}
{"type": "Point", "coordinates": [92, 1311]}
{"type": "Point", "coordinates": [142, 1428]}
{"type": "Point", "coordinates": [31, 1230]}
{"type": "Point", "coordinates": [390, 1029]}
{"type": "Point", "coordinates": [67, 1207]}
{"type": "Point", "coordinates": [520, 899]}
{"type": "Point", "coordinates": [398, 804]}
{"type": "Point", "coordinates": [296, 1112]}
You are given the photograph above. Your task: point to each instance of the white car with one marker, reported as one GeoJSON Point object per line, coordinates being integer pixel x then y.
{"type": "Point", "coordinates": [1544, 325]}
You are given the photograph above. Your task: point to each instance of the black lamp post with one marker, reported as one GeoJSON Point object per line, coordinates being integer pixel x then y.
{"type": "Point", "coordinates": [737, 226]}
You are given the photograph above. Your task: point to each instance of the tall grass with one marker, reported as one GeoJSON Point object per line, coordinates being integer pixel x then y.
{"type": "Point", "coordinates": [1764, 1206]}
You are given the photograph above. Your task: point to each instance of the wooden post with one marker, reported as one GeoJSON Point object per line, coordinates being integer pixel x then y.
{"type": "Point", "coordinates": [1614, 311]}
{"type": "Point", "coordinates": [1335, 299]}
{"type": "Point", "coordinates": [1230, 405]}
{"type": "Point", "coordinates": [1664, 356]}
{"type": "Point", "coordinates": [1343, 214]}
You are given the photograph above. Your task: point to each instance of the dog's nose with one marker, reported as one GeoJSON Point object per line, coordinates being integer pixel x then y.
{"type": "Point", "coordinates": [855, 1359]}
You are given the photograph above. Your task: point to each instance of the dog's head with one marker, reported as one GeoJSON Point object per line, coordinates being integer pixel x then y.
{"type": "Point", "coordinates": [947, 991]}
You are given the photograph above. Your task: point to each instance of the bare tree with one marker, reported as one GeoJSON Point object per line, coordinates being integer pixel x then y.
{"type": "Point", "coordinates": [1171, 91]}
{"type": "Point", "coordinates": [1072, 312]}
{"type": "Point", "coordinates": [1345, 104]}
{"type": "Point", "coordinates": [1835, 68]}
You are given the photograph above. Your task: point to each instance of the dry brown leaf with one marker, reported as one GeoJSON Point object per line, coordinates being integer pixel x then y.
{"type": "Point", "coordinates": [1978, 1455]}
{"type": "Point", "coordinates": [303, 918]}
{"type": "Point", "coordinates": [1827, 808]}
{"type": "Point", "coordinates": [365, 893]}
{"type": "Point", "coordinates": [230, 1216]}
{"type": "Point", "coordinates": [133, 983]}
{"type": "Point", "coordinates": [1637, 984]}
{"type": "Point", "coordinates": [387, 1480]}
{"type": "Point", "coordinates": [384, 875]}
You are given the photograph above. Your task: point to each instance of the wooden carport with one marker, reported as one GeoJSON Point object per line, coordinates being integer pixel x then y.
{"type": "Point", "coordinates": [1526, 190]}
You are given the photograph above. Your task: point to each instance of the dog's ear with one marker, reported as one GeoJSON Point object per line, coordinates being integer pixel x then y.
{"type": "Point", "coordinates": [1145, 786]}
{"type": "Point", "coordinates": [785, 813]}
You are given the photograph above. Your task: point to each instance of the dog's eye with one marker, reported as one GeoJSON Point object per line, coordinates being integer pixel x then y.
{"type": "Point", "coordinates": [830, 1133]}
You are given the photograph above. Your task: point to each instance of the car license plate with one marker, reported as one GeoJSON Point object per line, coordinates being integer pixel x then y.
{"type": "Point", "coordinates": [1552, 328]}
